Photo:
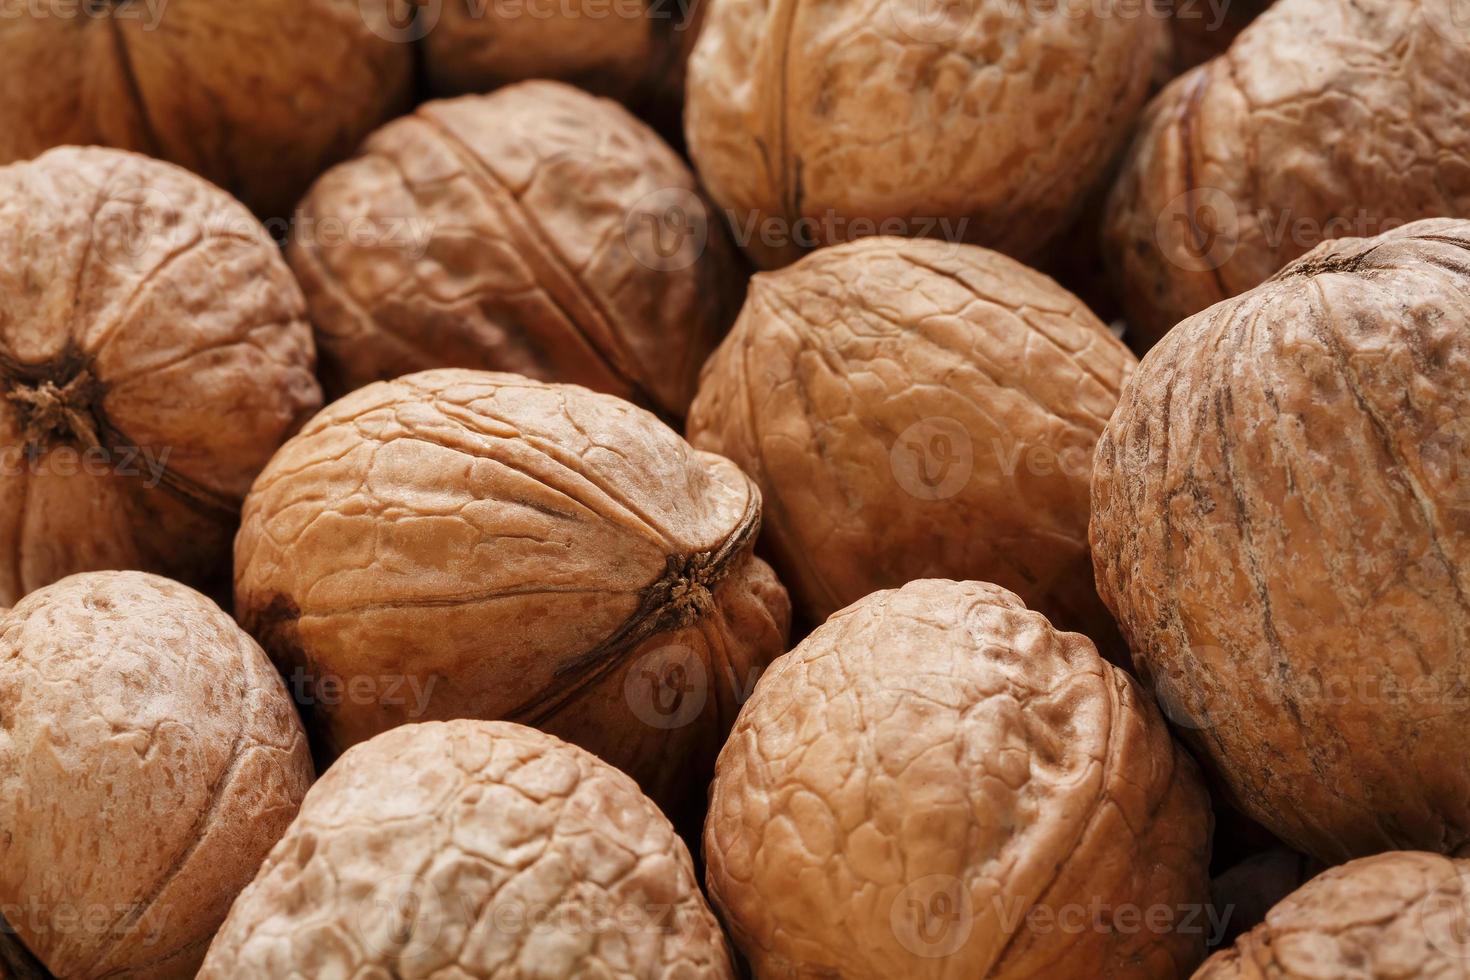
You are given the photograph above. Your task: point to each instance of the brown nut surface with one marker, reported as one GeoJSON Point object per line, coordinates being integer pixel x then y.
{"type": "Point", "coordinates": [481, 545]}
{"type": "Point", "coordinates": [1385, 917]}
{"type": "Point", "coordinates": [1325, 119]}
{"type": "Point", "coordinates": [150, 757]}
{"type": "Point", "coordinates": [538, 230]}
{"type": "Point", "coordinates": [474, 849]}
{"type": "Point", "coordinates": [257, 97]}
{"type": "Point", "coordinates": [914, 409]}
{"type": "Point", "coordinates": [153, 354]}
{"type": "Point", "coordinates": [813, 123]}
{"type": "Point", "coordinates": [934, 783]}
{"type": "Point", "coordinates": [1281, 522]}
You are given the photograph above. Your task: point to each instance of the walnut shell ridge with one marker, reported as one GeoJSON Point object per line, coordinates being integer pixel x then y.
{"type": "Point", "coordinates": [1281, 525]}
{"type": "Point", "coordinates": [150, 757]}
{"type": "Point", "coordinates": [929, 776]}
{"type": "Point", "coordinates": [154, 353]}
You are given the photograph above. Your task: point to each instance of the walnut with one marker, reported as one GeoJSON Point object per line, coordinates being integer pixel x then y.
{"type": "Point", "coordinates": [1325, 119]}
{"type": "Point", "coordinates": [258, 98]}
{"type": "Point", "coordinates": [1280, 517]}
{"type": "Point", "coordinates": [465, 544]}
{"type": "Point", "coordinates": [1245, 892]}
{"type": "Point", "coordinates": [149, 759]}
{"type": "Point", "coordinates": [538, 230]}
{"type": "Point", "coordinates": [473, 849]}
{"type": "Point", "coordinates": [914, 409]}
{"type": "Point", "coordinates": [937, 783]}
{"type": "Point", "coordinates": [982, 120]}
{"type": "Point", "coordinates": [153, 354]}
{"type": "Point", "coordinates": [1203, 29]}
{"type": "Point", "coordinates": [1400, 914]}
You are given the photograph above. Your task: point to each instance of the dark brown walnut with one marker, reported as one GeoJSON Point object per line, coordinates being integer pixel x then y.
{"type": "Point", "coordinates": [1203, 29]}
{"type": "Point", "coordinates": [1281, 522]}
{"type": "Point", "coordinates": [1243, 894]}
{"type": "Point", "coordinates": [259, 98]}
{"type": "Point", "coordinates": [475, 850]}
{"type": "Point", "coordinates": [538, 230]}
{"type": "Point", "coordinates": [936, 784]}
{"type": "Point", "coordinates": [154, 352]}
{"type": "Point", "coordinates": [150, 757]}
{"type": "Point", "coordinates": [1400, 914]}
{"type": "Point", "coordinates": [1325, 119]}
{"type": "Point", "coordinates": [986, 121]}
{"type": "Point", "coordinates": [464, 544]}
{"type": "Point", "coordinates": [915, 409]}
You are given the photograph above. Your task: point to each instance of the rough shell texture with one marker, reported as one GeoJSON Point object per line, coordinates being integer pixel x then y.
{"type": "Point", "coordinates": [1400, 914]}
{"type": "Point", "coordinates": [1281, 522]}
{"type": "Point", "coordinates": [926, 770]}
{"type": "Point", "coordinates": [149, 759]}
{"type": "Point", "coordinates": [913, 409]}
{"type": "Point", "coordinates": [516, 550]}
{"type": "Point", "coordinates": [474, 850]}
{"type": "Point", "coordinates": [258, 98]}
{"type": "Point", "coordinates": [1325, 119]}
{"type": "Point", "coordinates": [153, 354]}
{"type": "Point", "coordinates": [537, 230]}
{"type": "Point", "coordinates": [994, 116]}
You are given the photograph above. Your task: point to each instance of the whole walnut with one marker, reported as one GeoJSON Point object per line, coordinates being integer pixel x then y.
{"type": "Point", "coordinates": [915, 409]}
{"type": "Point", "coordinates": [154, 352]}
{"type": "Point", "coordinates": [1325, 119]}
{"type": "Point", "coordinates": [475, 850]}
{"type": "Point", "coordinates": [1281, 522]}
{"type": "Point", "coordinates": [982, 121]}
{"type": "Point", "coordinates": [464, 544]}
{"type": "Point", "coordinates": [149, 759]}
{"type": "Point", "coordinates": [538, 230]}
{"type": "Point", "coordinates": [1400, 914]}
{"type": "Point", "coordinates": [258, 97]}
{"type": "Point", "coordinates": [936, 783]}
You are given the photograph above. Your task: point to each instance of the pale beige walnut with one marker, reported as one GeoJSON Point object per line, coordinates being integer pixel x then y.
{"type": "Point", "coordinates": [1325, 119]}
{"type": "Point", "coordinates": [258, 97]}
{"type": "Point", "coordinates": [1281, 522]}
{"type": "Point", "coordinates": [474, 849]}
{"type": "Point", "coordinates": [538, 230]}
{"type": "Point", "coordinates": [914, 409]}
{"type": "Point", "coordinates": [938, 784]}
{"type": "Point", "coordinates": [467, 544]}
{"type": "Point", "coordinates": [150, 757]}
{"type": "Point", "coordinates": [812, 122]}
{"type": "Point", "coordinates": [1390, 916]}
{"type": "Point", "coordinates": [154, 352]}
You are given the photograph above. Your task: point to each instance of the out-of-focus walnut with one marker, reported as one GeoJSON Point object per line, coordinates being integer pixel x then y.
{"type": "Point", "coordinates": [936, 783]}
{"type": "Point", "coordinates": [1325, 119]}
{"type": "Point", "coordinates": [538, 230]}
{"type": "Point", "coordinates": [463, 544]}
{"type": "Point", "coordinates": [1400, 914]}
{"type": "Point", "coordinates": [1281, 522]}
{"type": "Point", "coordinates": [915, 409]}
{"type": "Point", "coordinates": [149, 759]}
{"type": "Point", "coordinates": [1203, 29]}
{"type": "Point", "coordinates": [986, 120]}
{"type": "Point", "coordinates": [154, 352]}
{"type": "Point", "coordinates": [257, 97]}
{"type": "Point", "coordinates": [1244, 893]}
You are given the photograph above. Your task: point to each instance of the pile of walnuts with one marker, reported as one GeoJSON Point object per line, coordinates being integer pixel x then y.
{"type": "Point", "coordinates": [601, 489]}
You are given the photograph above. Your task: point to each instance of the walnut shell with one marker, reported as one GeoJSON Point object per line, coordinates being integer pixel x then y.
{"type": "Point", "coordinates": [812, 123]}
{"type": "Point", "coordinates": [475, 850]}
{"type": "Point", "coordinates": [153, 354]}
{"type": "Point", "coordinates": [1400, 914]}
{"type": "Point", "coordinates": [514, 238]}
{"type": "Point", "coordinates": [149, 759]}
{"type": "Point", "coordinates": [258, 97]}
{"type": "Point", "coordinates": [933, 782]}
{"type": "Point", "coordinates": [914, 409]}
{"type": "Point", "coordinates": [501, 548]}
{"type": "Point", "coordinates": [1281, 523]}
{"type": "Point", "coordinates": [1325, 119]}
